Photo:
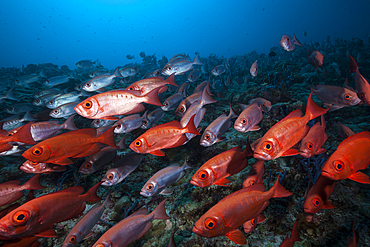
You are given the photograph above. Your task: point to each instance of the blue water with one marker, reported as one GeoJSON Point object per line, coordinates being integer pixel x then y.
{"type": "Point", "coordinates": [64, 32]}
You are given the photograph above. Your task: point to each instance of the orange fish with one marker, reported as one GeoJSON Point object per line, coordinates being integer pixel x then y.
{"type": "Point", "coordinates": [11, 191]}
{"type": "Point", "coordinates": [362, 85]}
{"type": "Point", "coordinates": [74, 144]}
{"type": "Point", "coordinates": [315, 138]}
{"type": "Point", "coordinates": [37, 216]}
{"type": "Point", "coordinates": [22, 135]}
{"type": "Point", "coordinates": [352, 242]}
{"type": "Point", "coordinates": [149, 84]}
{"type": "Point", "coordinates": [167, 135]}
{"type": "Point", "coordinates": [280, 138]}
{"type": "Point", "coordinates": [223, 165]}
{"type": "Point", "coordinates": [255, 174]}
{"type": "Point", "coordinates": [227, 215]}
{"type": "Point", "coordinates": [288, 242]}
{"type": "Point", "coordinates": [351, 156]}
{"type": "Point", "coordinates": [116, 102]}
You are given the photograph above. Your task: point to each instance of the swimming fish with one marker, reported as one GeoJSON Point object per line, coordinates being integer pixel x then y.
{"type": "Point", "coordinates": [129, 123]}
{"type": "Point", "coordinates": [180, 66]}
{"type": "Point", "coordinates": [254, 69]}
{"type": "Point", "coordinates": [35, 167]}
{"type": "Point", "coordinates": [288, 242]}
{"type": "Point", "coordinates": [64, 111]}
{"type": "Point", "coordinates": [362, 85]}
{"type": "Point", "coordinates": [289, 43]}
{"type": "Point", "coordinates": [218, 70]}
{"type": "Point", "coordinates": [101, 81]}
{"type": "Point", "coordinates": [255, 174]}
{"type": "Point", "coordinates": [22, 135]}
{"type": "Point", "coordinates": [149, 84]}
{"type": "Point", "coordinates": [87, 63]}
{"type": "Point", "coordinates": [152, 118]}
{"type": "Point", "coordinates": [249, 118]}
{"type": "Point", "coordinates": [315, 58]}
{"type": "Point", "coordinates": [343, 130]}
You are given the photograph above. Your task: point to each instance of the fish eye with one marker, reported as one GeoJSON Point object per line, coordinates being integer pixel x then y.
{"type": "Point", "coordinates": [207, 137]}
{"type": "Point", "coordinates": [88, 165]}
{"type": "Point", "coordinates": [110, 176]}
{"type": "Point", "coordinates": [182, 108]}
{"type": "Point", "coordinates": [252, 182]}
{"type": "Point", "coordinates": [119, 126]}
{"type": "Point", "coordinates": [56, 111]}
{"type": "Point", "coordinates": [100, 245]}
{"type": "Point", "coordinates": [87, 104]}
{"type": "Point", "coordinates": [72, 239]}
{"type": "Point", "coordinates": [244, 121]}
{"type": "Point", "coordinates": [37, 151]}
{"type": "Point", "coordinates": [10, 108]}
{"type": "Point", "coordinates": [210, 223]}
{"type": "Point", "coordinates": [347, 96]}
{"type": "Point", "coordinates": [131, 88]}
{"type": "Point", "coordinates": [138, 143]}
{"type": "Point", "coordinates": [362, 95]}
{"type": "Point", "coordinates": [37, 101]}
{"type": "Point", "coordinates": [254, 221]}
{"type": "Point", "coordinates": [346, 134]}
{"type": "Point", "coordinates": [338, 165]}
{"type": "Point", "coordinates": [165, 104]}
{"type": "Point", "coordinates": [97, 121]}
{"type": "Point", "coordinates": [309, 145]}
{"type": "Point", "coordinates": [51, 102]}
{"type": "Point", "coordinates": [170, 68]}
{"type": "Point", "coordinates": [203, 175]}
{"type": "Point", "coordinates": [267, 146]}
{"type": "Point", "coordinates": [20, 217]}
{"type": "Point", "coordinates": [88, 84]}
{"type": "Point", "coordinates": [150, 187]}
{"type": "Point", "coordinates": [11, 133]}
{"type": "Point", "coordinates": [316, 202]}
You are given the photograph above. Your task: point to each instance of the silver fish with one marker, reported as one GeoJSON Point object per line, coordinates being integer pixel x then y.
{"type": "Point", "coordinates": [128, 71]}
{"type": "Point", "coordinates": [122, 168]}
{"type": "Point", "coordinates": [86, 223]}
{"type": "Point", "coordinates": [46, 91]}
{"type": "Point", "coordinates": [249, 118]}
{"type": "Point", "coordinates": [180, 66]}
{"type": "Point", "coordinates": [188, 101]}
{"type": "Point", "coordinates": [63, 111]}
{"type": "Point", "coordinates": [19, 108]}
{"type": "Point", "coordinates": [254, 69]}
{"type": "Point", "coordinates": [129, 123]}
{"type": "Point", "coordinates": [87, 63]}
{"type": "Point", "coordinates": [8, 95]}
{"type": "Point", "coordinates": [218, 70]}
{"type": "Point", "coordinates": [97, 123]}
{"type": "Point", "coordinates": [152, 118]}
{"type": "Point", "coordinates": [28, 79]}
{"type": "Point", "coordinates": [101, 81]}
{"type": "Point", "coordinates": [217, 128]}
{"type": "Point", "coordinates": [164, 178]}
{"type": "Point", "coordinates": [173, 101]}
{"type": "Point", "coordinates": [98, 73]}
{"type": "Point", "coordinates": [16, 150]}
{"type": "Point", "coordinates": [264, 103]}
{"type": "Point", "coordinates": [194, 75]}
{"type": "Point", "coordinates": [14, 123]}
{"type": "Point", "coordinates": [34, 167]}
{"type": "Point", "coordinates": [57, 80]}
{"type": "Point", "coordinates": [65, 98]}
{"type": "Point", "coordinates": [43, 100]}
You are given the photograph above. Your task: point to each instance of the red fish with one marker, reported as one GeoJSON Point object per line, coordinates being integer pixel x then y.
{"type": "Point", "coordinates": [149, 84]}
{"type": "Point", "coordinates": [288, 242]}
{"type": "Point", "coordinates": [362, 85]}
{"type": "Point", "coordinates": [352, 242]}
{"type": "Point", "coordinates": [280, 138]}
{"type": "Point", "coordinates": [351, 156]}
{"type": "Point", "coordinates": [315, 138]}
{"type": "Point", "coordinates": [116, 102]}
{"type": "Point", "coordinates": [343, 130]}
{"type": "Point", "coordinates": [255, 174]}
{"type": "Point", "coordinates": [167, 135]}
{"type": "Point", "coordinates": [37, 216]}
{"type": "Point", "coordinates": [74, 144]}
{"type": "Point", "coordinates": [22, 135]}
{"type": "Point", "coordinates": [254, 69]}
{"type": "Point", "coordinates": [317, 197]}
{"type": "Point", "coordinates": [11, 191]}
{"type": "Point", "coordinates": [288, 43]}
{"type": "Point", "coordinates": [234, 210]}
{"type": "Point", "coordinates": [315, 58]}
{"type": "Point", "coordinates": [223, 165]}
{"type": "Point", "coordinates": [23, 242]}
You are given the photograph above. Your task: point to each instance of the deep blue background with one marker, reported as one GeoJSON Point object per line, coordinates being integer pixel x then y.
{"type": "Point", "coordinates": [64, 32]}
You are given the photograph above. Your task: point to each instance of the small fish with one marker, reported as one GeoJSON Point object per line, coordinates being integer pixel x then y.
{"type": "Point", "coordinates": [164, 178]}
{"type": "Point", "coordinates": [129, 123]}
{"type": "Point", "coordinates": [234, 210]}
{"type": "Point", "coordinates": [87, 63]}
{"type": "Point", "coordinates": [288, 242]}
{"type": "Point", "coordinates": [15, 150]}
{"type": "Point", "coordinates": [37, 216]}
{"type": "Point", "coordinates": [149, 84]}
{"type": "Point", "coordinates": [97, 123]}
{"type": "Point", "coordinates": [23, 135]}
{"type": "Point", "coordinates": [312, 143]}
{"type": "Point", "coordinates": [281, 137]}
{"type": "Point", "coordinates": [249, 118]}
{"type": "Point", "coordinates": [152, 118]}
{"type": "Point", "coordinates": [255, 174]}
{"type": "Point", "coordinates": [223, 165]}
{"type": "Point", "coordinates": [132, 227]}
{"type": "Point", "coordinates": [362, 85]}
{"type": "Point", "coordinates": [187, 102]}
{"type": "Point", "coordinates": [98, 73]}
{"type": "Point", "coordinates": [25, 80]}
{"type": "Point", "coordinates": [64, 111]}
{"type": "Point", "coordinates": [11, 191]}
{"type": "Point", "coordinates": [167, 135]}
{"type": "Point", "coordinates": [352, 242]}
{"type": "Point", "coordinates": [116, 102]}
{"type": "Point", "coordinates": [264, 103]}
{"type": "Point", "coordinates": [46, 91]}
{"type": "Point", "coordinates": [230, 62]}
{"type": "Point", "coordinates": [43, 100]}
{"type": "Point", "coordinates": [14, 123]}
{"type": "Point", "coordinates": [218, 70]}
{"type": "Point", "coordinates": [172, 102]}
{"type": "Point", "coordinates": [180, 66]}
{"type": "Point", "coordinates": [57, 80]}
{"type": "Point", "coordinates": [128, 71]}
{"type": "Point", "coordinates": [317, 197]}
{"type": "Point", "coordinates": [35, 167]}
{"type": "Point", "coordinates": [194, 75]}
{"type": "Point", "coordinates": [250, 225]}
{"type": "Point", "coordinates": [217, 128]}
{"type": "Point", "coordinates": [351, 156]}
{"type": "Point", "coordinates": [101, 81]}
{"type": "Point", "coordinates": [288, 43]}
{"type": "Point", "coordinates": [19, 108]}
{"type": "Point", "coordinates": [254, 69]}
{"type": "Point", "coordinates": [64, 99]}
{"type": "Point", "coordinates": [81, 143]}
{"type": "Point", "coordinates": [130, 57]}
{"type": "Point", "coordinates": [9, 95]}
{"type": "Point", "coordinates": [343, 130]}
{"type": "Point", "coordinates": [315, 58]}
{"type": "Point", "coordinates": [121, 169]}
{"type": "Point", "coordinates": [272, 54]}
{"type": "Point", "coordinates": [81, 230]}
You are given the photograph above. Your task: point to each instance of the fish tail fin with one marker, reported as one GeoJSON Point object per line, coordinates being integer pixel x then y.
{"type": "Point", "coordinates": [108, 137]}
{"type": "Point", "coordinates": [248, 150]}
{"type": "Point", "coordinates": [296, 41]}
{"type": "Point", "coordinates": [28, 116]}
{"type": "Point", "coordinates": [313, 110]}
{"type": "Point", "coordinates": [197, 60]}
{"type": "Point", "coordinates": [206, 97]}
{"type": "Point", "coordinates": [121, 144]}
{"type": "Point", "coordinates": [117, 73]}
{"type": "Point", "coordinates": [160, 211]}
{"type": "Point", "coordinates": [10, 94]}
{"type": "Point", "coordinates": [24, 134]}
{"type": "Point", "coordinates": [152, 97]}
{"type": "Point", "coordinates": [295, 234]}
{"type": "Point", "coordinates": [232, 113]}
{"type": "Point", "coordinates": [278, 190]}
{"type": "Point", "coordinates": [186, 165]}
{"type": "Point", "coordinates": [97, 62]}
{"type": "Point", "coordinates": [190, 127]}
{"type": "Point", "coordinates": [108, 202]}
{"type": "Point", "coordinates": [33, 183]}
{"type": "Point", "coordinates": [42, 74]}
{"type": "Point", "coordinates": [171, 80]}
{"type": "Point", "coordinates": [323, 122]}
{"type": "Point", "coordinates": [91, 195]}
{"type": "Point", "coordinates": [69, 124]}
{"type": "Point", "coordinates": [353, 67]}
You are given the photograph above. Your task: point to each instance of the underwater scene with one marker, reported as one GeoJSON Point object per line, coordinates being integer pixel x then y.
{"type": "Point", "coordinates": [188, 123]}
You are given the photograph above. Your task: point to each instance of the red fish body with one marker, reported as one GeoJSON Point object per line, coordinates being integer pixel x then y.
{"type": "Point", "coordinates": [223, 165]}
{"type": "Point", "coordinates": [234, 210]}
{"type": "Point", "coordinates": [22, 135]}
{"type": "Point", "coordinates": [352, 242]}
{"type": "Point", "coordinates": [351, 156]}
{"type": "Point", "coordinates": [255, 174]}
{"type": "Point", "coordinates": [288, 43]}
{"type": "Point", "coordinates": [362, 85]}
{"type": "Point", "coordinates": [280, 138]}
{"type": "Point", "coordinates": [149, 84]}
{"type": "Point", "coordinates": [73, 144]}
{"type": "Point", "coordinates": [116, 102]}
{"type": "Point", "coordinates": [38, 215]}
{"type": "Point", "coordinates": [288, 242]}
{"type": "Point", "coordinates": [168, 135]}
{"type": "Point", "coordinates": [315, 58]}
{"type": "Point", "coordinates": [315, 138]}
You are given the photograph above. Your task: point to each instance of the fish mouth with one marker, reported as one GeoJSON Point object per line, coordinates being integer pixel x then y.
{"type": "Point", "coordinates": [308, 217]}
{"type": "Point", "coordinates": [143, 193]}
{"type": "Point", "coordinates": [4, 229]}
{"type": "Point", "coordinates": [239, 128]}
{"type": "Point", "coordinates": [327, 174]}
{"type": "Point", "coordinates": [197, 231]}
{"type": "Point", "coordinates": [260, 156]}
{"type": "Point", "coordinates": [193, 182]}
{"type": "Point", "coordinates": [204, 143]}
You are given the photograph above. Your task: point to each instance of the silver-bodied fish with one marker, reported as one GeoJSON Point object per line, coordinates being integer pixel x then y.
{"type": "Point", "coordinates": [65, 98]}
{"type": "Point", "coordinates": [194, 75]}
{"type": "Point", "coordinates": [57, 80]}
{"type": "Point", "coordinates": [43, 100]}
{"type": "Point", "coordinates": [97, 123]}
{"type": "Point", "coordinates": [64, 111]}
{"type": "Point", "coordinates": [249, 118]}
{"type": "Point", "coordinates": [180, 66]}
{"type": "Point", "coordinates": [24, 80]}
{"type": "Point", "coordinates": [19, 108]}
{"type": "Point", "coordinates": [152, 118]}
{"type": "Point", "coordinates": [87, 63]}
{"type": "Point", "coordinates": [101, 81]}
{"type": "Point", "coordinates": [218, 70]}
{"type": "Point", "coordinates": [34, 167]}
{"type": "Point", "coordinates": [129, 123]}
{"type": "Point", "coordinates": [14, 123]}
{"type": "Point", "coordinates": [128, 71]}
